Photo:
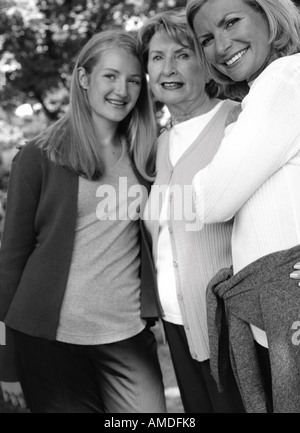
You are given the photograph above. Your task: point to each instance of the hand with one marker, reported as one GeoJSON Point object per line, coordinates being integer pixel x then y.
{"type": "Point", "coordinates": [296, 273]}
{"type": "Point", "coordinates": [12, 392]}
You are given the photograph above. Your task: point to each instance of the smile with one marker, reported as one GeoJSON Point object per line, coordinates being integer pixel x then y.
{"type": "Point", "coordinates": [172, 85]}
{"type": "Point", "coordinates": [116, 103]}
{"type": "Point", "coordinates": [235, 58]}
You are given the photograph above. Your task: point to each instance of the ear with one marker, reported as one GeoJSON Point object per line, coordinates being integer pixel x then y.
{"type": "Point", "coordinates": [82, 77]}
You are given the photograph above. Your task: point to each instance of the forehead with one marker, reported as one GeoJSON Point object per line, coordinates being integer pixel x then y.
{"type": "Point", "coordinates": [161, 41]}
{"type": "Point", "coordinates": [119, 59]}
{"type": "Point", "coordinates": [213, 11]}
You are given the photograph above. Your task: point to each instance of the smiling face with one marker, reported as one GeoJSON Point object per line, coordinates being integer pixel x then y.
{"type": "Point", "coordinates": [234, 37]}
{"type": "Point", "coordinates": [175, 77]}
{"type": "Point", "coordinates": [114, 85]}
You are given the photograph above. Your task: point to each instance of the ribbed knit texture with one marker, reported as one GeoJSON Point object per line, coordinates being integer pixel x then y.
{"type": "Point", "coordinates": [256, 173]}
{"type": "Point", "coordinates": [198, 255]}
{"type": "Point", "coordinates": [255, 176]}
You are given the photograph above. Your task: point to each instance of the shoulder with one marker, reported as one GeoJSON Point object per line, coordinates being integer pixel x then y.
{"type": "Point", "coordinates": [163, 143]}
{"type": "Point", "coordinates": [29, 167]}
{"type": "Point", "coordinates": [282, 71]}
{"type": "Point", "coordinates": [29, 155]}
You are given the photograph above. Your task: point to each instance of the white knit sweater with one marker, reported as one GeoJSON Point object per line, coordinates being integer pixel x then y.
{"type": "Point", "coordinates": [255, 175]}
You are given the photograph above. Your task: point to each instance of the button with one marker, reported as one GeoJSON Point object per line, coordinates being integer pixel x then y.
{"type": "Point", "coordinates": [187, 327]}
{"type": "Point", "coordinates": [180, 297]}
{"type": "Point", "coordinates": [175, 264]}
{"type": "Point", "coordinates": [170, 230]}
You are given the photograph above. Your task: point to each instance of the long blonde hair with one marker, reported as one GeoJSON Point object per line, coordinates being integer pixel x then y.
{"type": "Point", "coordinates": [72, 142]}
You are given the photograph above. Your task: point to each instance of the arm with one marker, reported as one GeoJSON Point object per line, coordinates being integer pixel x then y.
{"type": "Point", "coordinates": [17, 243]}
{"type": "Point", "coordinates": [264, 138]}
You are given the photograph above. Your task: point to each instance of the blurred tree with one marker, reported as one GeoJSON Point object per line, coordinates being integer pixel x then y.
{"type": "Point", "coordinates": [40, 38]}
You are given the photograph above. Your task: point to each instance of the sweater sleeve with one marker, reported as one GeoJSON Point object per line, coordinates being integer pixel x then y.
{"type": "Point", "coordinates": [17, 243]}
{"type": "Point", "coordinates": [265, 137]}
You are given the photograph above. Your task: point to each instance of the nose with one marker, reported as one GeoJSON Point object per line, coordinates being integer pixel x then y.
{"type": "Point", "coordinates": [169, 66]}
{"type": "Point", "coordinates": [121, 88]}
{"type": "Point", "coordinates": [223, 43]}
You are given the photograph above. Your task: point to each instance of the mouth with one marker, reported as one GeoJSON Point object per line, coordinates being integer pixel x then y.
{"type": "Point", "coordinates": [172, 85]}
{"type": "Point", "coordinates": [236, 57]}
{"type": "Point", "coordinates": [116, 103]}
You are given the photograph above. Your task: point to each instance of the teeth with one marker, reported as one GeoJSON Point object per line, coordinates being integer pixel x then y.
{"type": "Point", "coordinates": [117, 103]}
{"type": "Point", "coordinates": [171, 85]}
{"type": "Point", "coordinates": [236, 58]}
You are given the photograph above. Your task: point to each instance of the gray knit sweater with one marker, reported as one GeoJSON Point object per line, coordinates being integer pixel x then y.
{"type": "Point", "coordinates": [264, 295]}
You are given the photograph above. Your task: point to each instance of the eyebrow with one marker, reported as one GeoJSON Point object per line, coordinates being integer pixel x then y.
{"type": "Point", "coordinates": [118, 72]}
{"type": "Point", "coordinates": [220, 24]}
{"type": "Point", "coordinates": [176, 51]}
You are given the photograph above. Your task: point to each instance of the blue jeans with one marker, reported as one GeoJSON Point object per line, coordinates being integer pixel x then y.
{"type": "Point", "coordinates": [123, 377]}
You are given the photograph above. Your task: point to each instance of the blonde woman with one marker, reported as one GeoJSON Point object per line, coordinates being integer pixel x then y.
{"type": "Point", "coordinates": [254, 177]}
{"type": "Point", "coordinates": [73, 281]}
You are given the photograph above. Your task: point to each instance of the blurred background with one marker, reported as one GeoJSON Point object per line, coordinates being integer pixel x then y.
{"type": "Point", "coordinates": [39, 40]}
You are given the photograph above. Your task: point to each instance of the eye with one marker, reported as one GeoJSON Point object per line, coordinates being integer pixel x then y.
{"type": "Point", "coordinates": [183, 56]}
{"type": "Point", "coordinates": [156, 58]}
{"type": "Point", "coordinates": [135, 82]}
{"type": "Point", "coordinates": [205, 42]}
{"type": "Point", "coordinates": [110, 76]}
{"type": "Point", "coordinates": [231, 23]}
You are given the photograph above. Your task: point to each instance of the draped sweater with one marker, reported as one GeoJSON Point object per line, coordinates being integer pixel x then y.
{"type": "Point", "coordinates": [198, 254]}
{"type": "Point", "coordinates": [262, 293]}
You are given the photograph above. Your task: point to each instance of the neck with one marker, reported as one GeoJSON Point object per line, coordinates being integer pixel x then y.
{"type": "Point", "coordinates": [183, 112]}
{"type": "Point", "coordinates": [107, 135]}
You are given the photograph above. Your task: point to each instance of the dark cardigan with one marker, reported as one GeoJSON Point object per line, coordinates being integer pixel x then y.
{"type": "Point", "coordinates": [264, 295]}
{"type": "Point", "coordinates": [37, 246]}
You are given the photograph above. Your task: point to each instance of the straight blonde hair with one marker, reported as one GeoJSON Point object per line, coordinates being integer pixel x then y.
{"type": "Point", "coordinates": [71, 141]}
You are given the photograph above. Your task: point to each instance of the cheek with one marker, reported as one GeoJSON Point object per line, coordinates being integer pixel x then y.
{"type": "Point", "coordinates": [153, 72]}
{"type": "Point", "coordinates": [133, 94]}
{"type": "Point", "coordinates": [209, 54]}
{"type": "Point", "coordinates": [195, 76]}
{"type": "Point", "coordinates": [152, 82]}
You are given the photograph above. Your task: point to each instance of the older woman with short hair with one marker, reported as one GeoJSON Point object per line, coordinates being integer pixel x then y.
{"type": "Point", "coordinates": [186, 256]}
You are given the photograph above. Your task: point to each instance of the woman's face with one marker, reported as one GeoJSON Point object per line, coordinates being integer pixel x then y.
{"type": "Point", "coordinates": [175, 76]}
{"type": "Point", "coordinates": [114, 85]}
{"type": "Point", "coordinates": [234, 38]}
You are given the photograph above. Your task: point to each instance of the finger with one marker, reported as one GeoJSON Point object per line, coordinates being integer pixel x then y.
{"type": "Point", "coordinates": [297, 265]}
{"type": "Point", "coordinates": [22, 402]}
{"type": "Point", "coordinates": [6, 396]}
{"type": "Point", "coordinates": [295, 275]}
{"type": "Point", "coordinates": [14, 401]}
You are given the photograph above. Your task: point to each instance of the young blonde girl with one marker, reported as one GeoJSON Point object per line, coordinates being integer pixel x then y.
{"type": "Point", "coordinates": [73, 283]}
